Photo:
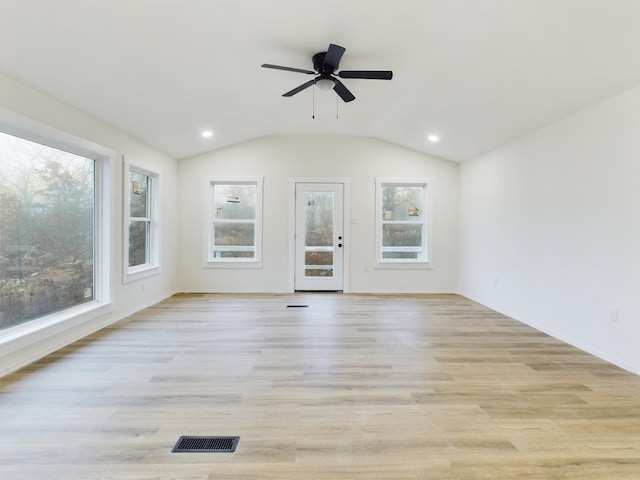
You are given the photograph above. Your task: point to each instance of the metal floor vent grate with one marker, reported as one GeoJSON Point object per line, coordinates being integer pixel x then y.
{"type": "Point", "coordinates": [297, 306]}
{"type": "Point", "coordinates": [206, 444]}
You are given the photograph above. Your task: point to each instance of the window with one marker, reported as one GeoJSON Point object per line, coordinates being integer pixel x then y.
{"type": "Point", "coordinates": [401, 224]}
{"type": "Point", "coordinates": [53, 228]}
{"type": "Point", "coordinates": [141, 212]}
{"type": "Point", "coordinates": [235, 227]}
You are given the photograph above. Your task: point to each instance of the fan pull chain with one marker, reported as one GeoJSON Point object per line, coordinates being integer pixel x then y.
{"type": "Point", "coordinates": [337, 104]}
{"type": "Point", "coordinates": [313, 112]}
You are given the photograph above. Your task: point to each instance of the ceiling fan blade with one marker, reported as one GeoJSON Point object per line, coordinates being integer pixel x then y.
{"type": "Point", "coordinates": [370, 74]}
{"type": "Point", "coordinates": [332, 57]}
{"type": "Point", "coordinates": [288, 69]}
{"type": "Point", "coordinates": [343, 91]}
{"type": "Point", "coordinates": [300, 88]}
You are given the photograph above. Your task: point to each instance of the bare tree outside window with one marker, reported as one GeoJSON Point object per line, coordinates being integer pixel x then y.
{"type": "Point", "coordinates": [139, 219]}
{"type": "Point", "coordinates": [47, 204]}
{"type": "Point", "coordinates": [234, 220]}
{"type": "Point", "coordinates": [402, 221]}
{"type": "Point", "coordinates": [319, 234]}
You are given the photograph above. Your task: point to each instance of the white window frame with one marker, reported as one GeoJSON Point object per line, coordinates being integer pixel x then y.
{"type": "Point", "coordinates": [25, 334]}
{"type": "Point", "coordinates": [153, 209]}
{"type": "Point", "coordinates": [425, 261]}
{"type": "Point", "coordinates": [215, 262]}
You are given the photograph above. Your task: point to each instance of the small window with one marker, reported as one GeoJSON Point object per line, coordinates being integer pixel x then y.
{"type": "Point", "coordinates": [235, 231]}
{"type": "Point", "coordinates": [141, 237]}
{"type": "Point", "coordinates": [401, 224]}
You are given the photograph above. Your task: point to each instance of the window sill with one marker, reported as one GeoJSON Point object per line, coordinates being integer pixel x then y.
{"type": "Point", "coordinates": [232, 264]}
{"type": "Point", "coordinates": [138, 273]}
{"type": "Point", "coordinates": [404, 265]}
{"type": "Point", "coordinates": [58, 321]}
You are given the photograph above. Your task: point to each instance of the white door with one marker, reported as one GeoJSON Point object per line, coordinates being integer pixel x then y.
{"type": "Point", "coordinates": [319, 241]}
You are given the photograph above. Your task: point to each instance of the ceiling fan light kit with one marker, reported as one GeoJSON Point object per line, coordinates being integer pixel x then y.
{"type": "Point", "coordinates": [325, 65]}
{"type": "Point", "coordinates": [325, 83]}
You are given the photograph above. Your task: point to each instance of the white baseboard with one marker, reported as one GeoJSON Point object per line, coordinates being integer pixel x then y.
{"type": "Point", "coordinates": [635, 369]}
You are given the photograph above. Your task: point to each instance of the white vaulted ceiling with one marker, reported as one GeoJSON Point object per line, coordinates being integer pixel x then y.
{"type": "Point", "coordinates": [478, 73]}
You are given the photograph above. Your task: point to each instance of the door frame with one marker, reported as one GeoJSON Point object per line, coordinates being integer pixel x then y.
{"type": "Point", "coordinates": [346, 219]}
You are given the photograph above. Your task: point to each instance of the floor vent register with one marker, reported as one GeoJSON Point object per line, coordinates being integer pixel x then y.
{"type": "Point", "coordinates": [206, 444]}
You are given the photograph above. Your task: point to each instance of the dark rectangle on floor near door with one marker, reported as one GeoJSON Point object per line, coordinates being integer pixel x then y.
{"type": "Point", "coordinates": [206, 444]}
{"type": "Point", "coordinates": [297, 306]}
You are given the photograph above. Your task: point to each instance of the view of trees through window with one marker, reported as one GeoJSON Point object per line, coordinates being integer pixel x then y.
{"type": "Point", "coordinates": [319, 234]}
{"type": "Point", "coordinates": [47, 199]}
{"type": "Point", "coordinates": [139, 219]}
{"type": "Point", "coordinates": [234, 220]}
{"type": "Point", "coordinates": [402, 221]}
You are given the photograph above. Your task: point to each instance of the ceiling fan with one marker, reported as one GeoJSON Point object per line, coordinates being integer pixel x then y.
{"type": "Point", "coordinates": [325, 65]}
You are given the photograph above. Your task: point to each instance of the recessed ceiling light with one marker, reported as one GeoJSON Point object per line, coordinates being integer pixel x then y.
{"type": "Point", "coordinates": [207, 134]}
{"type": "Point", "coordinates": [433, 138]}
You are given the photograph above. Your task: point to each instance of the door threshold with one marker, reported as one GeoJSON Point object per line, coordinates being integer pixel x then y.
{"type": "Point", "coordinates": [318, 291]}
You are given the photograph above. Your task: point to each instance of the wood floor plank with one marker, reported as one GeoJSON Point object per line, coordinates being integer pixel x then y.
{"type": "Point", "coordinates": [352, 387]}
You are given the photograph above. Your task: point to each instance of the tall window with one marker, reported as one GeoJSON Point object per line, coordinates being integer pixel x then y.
{"type": "Point", "coordinates": [50, 228]}
{"type": "Point", "coordinates": [141, 243]}
{"type": "Point", "coordinates": [235, 214]}
{"type": "Point", "coordinates": [401, 223]}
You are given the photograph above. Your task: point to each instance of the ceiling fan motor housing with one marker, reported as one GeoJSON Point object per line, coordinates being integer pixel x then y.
{"type": "Point", "coordinates": [318, 60]}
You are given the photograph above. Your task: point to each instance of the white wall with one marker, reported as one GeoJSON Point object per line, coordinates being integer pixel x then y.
{"type": "Point", "coordinates": [18, 100]}
{"type": "Point", "coordinates": [281, 158]}
{"type": "Point", "coordinates": [550, 229]}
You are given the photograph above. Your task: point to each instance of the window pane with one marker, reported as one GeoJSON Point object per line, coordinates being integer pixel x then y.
{"type": "Point", "coordinates": [402, 203]}
{"type": "Point", "coordinates": [138, 195]}
{"type": "Point", "coordinates": [401, 241]}
{"type": "Point", "coordinates": [232, 202]}
{"type": "Point", "coordinates": [139, 243]}
{"type": "Point", "coordinates": [319, 218]}
{"type": "Point", "coordinates": [46, 230]}
{"type": "Point", "coordinates": [234, 240]}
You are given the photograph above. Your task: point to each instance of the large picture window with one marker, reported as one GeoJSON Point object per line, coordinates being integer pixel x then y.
{"type": "Point", "coordinates": [141, 212]}
{"type": "Point", "coordinates": [235, 231]}
{"type": "Point", "coordinates": [401, 224]}
{"type": "Point", "coordinates": [51, 233]}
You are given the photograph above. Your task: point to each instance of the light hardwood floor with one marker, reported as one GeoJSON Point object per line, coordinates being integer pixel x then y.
{"type": "Point", "coordinates": [352, 387]}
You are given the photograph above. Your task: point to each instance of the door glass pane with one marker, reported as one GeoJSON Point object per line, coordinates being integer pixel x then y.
{"type": "Point", "coordinates": [318, 263]}
{"type": "Point", "coordinates": [319, 234]}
